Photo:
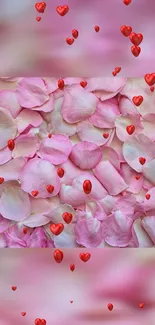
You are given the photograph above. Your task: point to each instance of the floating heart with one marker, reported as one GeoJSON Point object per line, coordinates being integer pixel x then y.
{"type": "Point", "coordinates": [56, 229]}
{"type": "Point", "coordinates": [34, 193]}
{"type": "Point", "coordinates": [83, 84]}
{"type": "Point", "coordinates": [50, 188]}
{"type": "Point", "coordinates": [127, 2]}
{"type": "Point", "coordinates": [23, 313]}
{"type": "Point", "coordinates": [67, 217]}
{"type": "Point", "coordinates": [142, 160]}
{"type": "Point", "coordinates": [61, 84]}
{"type": "Point", "coordinates": [14, 288]}
{"type": "Point", "coordinates": [75, 33]}
{"type": "Point", "coordinates": [72, 267]}
{"type": "Point", "coordinates": [97, 28]}
{"type": "Point", "coordinates": [126, 30]}
{"type": "Point", "coordinates": [58, 255]}
{"type": "Point", "coordinates": [110, 307]}
{"type": "Point", "coordinates": [135, 50]}
{"type": "Point", "coordinates": [87, 186]}
{"type": "Point", "coordinates": [85, 256]}
{"type": "Point", "coordinates": [1, 180]}
{"type": "Point", "coordinates": [136, 39]}
{"type": "Point", "coordinates": [150, 79]}
{"type": "Point", "coordinates": [40, 7]}
{"type": "Point", "coordinates": [69, 41]}
{"type": "Point", "coordinates": [38, 18]}
{"type": "Point", "coordinates": [137, 100]}
{"type": "Point", "coordinates": [62, 10]}
{"type": "Point", "coordinates": [130, 129]}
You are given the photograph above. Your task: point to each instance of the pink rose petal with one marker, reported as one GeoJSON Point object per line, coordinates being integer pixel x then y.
{"type": "Point", "coordinates": [88, 232]}
{"type": "Point", "coordinates": [86, 155]}
{"type": "Point", "coordinates": [25, 146]}
{"type": "Point", "coordinates": [9, 101]}
{"type": "Point", "coordinates": [27, 117]}
{"type": "Point", "coordinates": [105, 114]}
{"type": "Point", "coordinates": [8, 128]}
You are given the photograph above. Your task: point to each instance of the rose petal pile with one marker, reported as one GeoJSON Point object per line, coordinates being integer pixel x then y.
{"type": "Point", "coordinates": [64, 137]}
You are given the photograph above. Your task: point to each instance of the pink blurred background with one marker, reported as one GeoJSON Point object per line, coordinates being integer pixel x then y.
{"type": "Point", "coordinates": [31, 48]}
{"type": "Point", "coordinates": [124, 278]}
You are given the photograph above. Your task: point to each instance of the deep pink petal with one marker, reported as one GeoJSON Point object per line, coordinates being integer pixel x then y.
{"type": "Point", "coordinates": [86, 155]}
{"type": "Point", "coordinates": [105, 114]}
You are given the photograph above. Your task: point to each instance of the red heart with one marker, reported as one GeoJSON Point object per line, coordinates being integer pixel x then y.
{"type": "Point", "coordinates": [105, 135]}
{"type": "Point", "coordinates": [67, 217]}
{"type": "Point", "coordinates": [34, 193]}
{"type": "Point", "coordinates": [85, 256]}
{"type": "Point", "coordinates": [127, 2]}
{"type": "Point", "coordinates": [126, 30]}
{"type": "Point", "coordinates": [42, 322]}
{"type": "Point", "coordinates": [87, 186]}
{"type": "Point", "coordinates": [83, 84]}
{"type": "Point", "coordinates": [60, 172]}
{"type": "Point", "coordinates": [71, 301]}
{"type": "Point", "coordinates": [23, 313]}
{"type": "Point", "coordinates": [147, 196]}
{"type": "Point", "coordinates": [69, 41]}
{"type": "Point", "coordinates": [142, 160]}
{"type": "Point", "coordinates": [97, 28]}
{"type": "Point", "coordinates": [50, 188]}
{"type": "Point", "coordinates": [62, 10]}
{"type": "Point", "coordinates": [150, 79]}
{"type": "Point", "coordinates": [114, 73]}
{"type": "Point", "coordinates": [137, 100]}
{"type": "Point", "coordinates": [40, 7]}
{"type": "Point", "coordinates": [141, 305]}
{"type": "Point", "coordinates": [57, 229]}
{"type": "Point", "coordinates": [75, 33]}
{"type": "Point", "coordinates": [118, 69]}
{"type": "Point", "coordinates": [38, 321]}
{"type": "Point", "coordinates": [72, 267]}
{"type": "Point", "coordinates": [11, 144]}
{"type": "Point", "coordinates": [130, 129]}
{"type": "Point", "coordinates": [14, 288]}
{"type": "Point", "coordinates": [38, 18]}
{"type": "Point", "coordinates": [110, 307]}
{"type": "Point", "coordinates": [61, 84]}
{"type": "Point", "coordinates": [136, 39]}
{"type": "Point", "coordinates": [135, 50]}
{"type": "Point", "coordinates": [152, 89]}
{"type": "Point", "coordinates": [1, 180]}
{"type": "Point", "coordinates": [58, 255]}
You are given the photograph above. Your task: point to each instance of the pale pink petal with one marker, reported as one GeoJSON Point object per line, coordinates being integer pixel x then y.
{"type": "Point", "coordinates": [123, 121]}
{"type": "Point", "coordinates": [8, 128]}
{"type": "Point", "coordinates": [67, 238]}
{"type": "Point", "coordinates": [116, 229]}
{"type": "Point", "coordinates": [78, 104]}
{"type": "Point", "coordinates": [148, 223]}
{"type": "Point", "coordinates": [70, 172]}
{"type": "Point", "coordinates": [36, 175]}
{"type": "Point", "coordinates": [37, 239]}
{"type": "Point", "coordinates": [31, 92]}
{"type": "Point", "coordinates": [117, 145]}
{"type": "Point", "coordinates": [126, 204]}
{"type": "Point", "coordinates": [4, 224]}
{"type": "Point", "coordinates": [98, 191]}
{"type": "Point", "coordinates": [129, 176]}
{"type": "Point", "coordinates": [46, 107]}
{"type": "Point", "coordinates": [105, 114]}
{"type": "Point", "coordinates": [111, 155]}
{"type": "Point", "coordinates": [106, 87]}
{"type": "Point", "coordinates": [126, 106]}
{"type": "Point", "coordinates": [42, 206]}
{"type": "Point", "coordinates": [86, 155]}
{"type": "Point", "coordinates": [72, 196]}
{"type": "Point", "coordinates": [56, 149]}
{"type": "Point", "coordinates": [96, 210]}
{"type": "Point", "coordinates": [5, 155]}
{"type": "Point", "coordinates": [87, 132]}
{"type": "Point", "coordinates": [3, 243]}
{"type": "Point", "coordinates": [9, 101]}
{"type": "Point", "coordinates": [35, 220]}
{"type": "Point", "coordinates": [51, 84]}
{"type": "Point", "coordinates": [28, 117]}
{"type": "Point", "coordinates": [150, 204]}
{"type": "Point", "coordinates": [58, 124]}
{"type": "Point", "coordinates": [25, 146]}
{"type": "Point", "coordinates": [139, 146]}
{"type": "Point", "coordinates": [39, 209]}
{"type": "Point", "coordinates": [88, 232]}
{"type": "Point", "coordinates": [110, 178]}
{"type": "Point", "coordinates": [148, 124]}
{"type": "Point", "coordinates": [15, 238]}
{"type": "Point", "coordinates": [148, 171]}
{"type": "Point", "coordinates": [56, 214]}
{"type": "Point", "coordinates": [108, 203]}
{"type": "Point", "coordinates": [11, 170]}
{"type": "Point", "coordinates": [140, 235]}
{"type": "Point", "coordinates": [15, 203]}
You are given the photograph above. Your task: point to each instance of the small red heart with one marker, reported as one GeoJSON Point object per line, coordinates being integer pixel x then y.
{"type": "Point", "coordinates": [72, 267]}
{"type": "Point", "coordinates": [85, 256]}
{"type": "Point", "coordinates": [69, 41]}
{"type": "Point", "coordinates": [1, 180]}
{"type": "Point", "coordinates": [83, 84]}
{"type": "Point", "coordinates": [42, 322]}
{"type": "Point", "coordinates": [137, 100]}
{"type": "Point", "coordinates": [23, 313]}
{"type": "Point", "coordinates": [60, 172]}
{"type": "Point", "coordinates": [142, 160]}
{"type": "Point", "coordinates": [114, 73]}
{"type": "Point", "coordinates": [37, 321]}
{"type": "Point", "coordinates": [58, 255]}
{"type": "Point", "coordinates": [14, 288]}
{"type": "Point", "coordinates": [136, 39]}
{"type": "Point", "coordinates": [11, 144]}
{"type": "Point", "coordinates": [126, 30]}
{"type": "Point", "coordinates": [110, 307]}
{"type": "Point", "coordinates": [38, 18]}
{"type": "Point", "coordinates": [71, 301]}
{"type": "Point", "coordinates": [50, 188]}
{"type": "Point", "coordinates": [130, 129]}
{"type": "Point", "coordinates": [152, 89]}
{"type": "Point", "coordinates": [137, 177]}
{"type": "Point", "coordinates": [127, 2]}
{"type": "Point", "coordinates": [147, 196]}
{"type": "Point", "coordinates": [62, 10]}
{"type": "Point", "coordinates": [67, 217]}
{"type": "Point", "coordinates": [75, 33]}
{"type": "Point", "coordinates": [150, 79]}
{"type": "Point", "coordinates": [141, 305]}
{"type": "Point", "coordinates": [87, 186]}
{"type": "Point", "coordinates": [56, 229]}
{"type": "Point", "coordinates": [97, 28]}
{"type": "Point", "coordinates": [34, 193]}
{"type": "Point", "coordinates": [61, 84]}
{"type": "Point", "coordinates": [105, 135]}
{"type": "Point", "coordinates": [49, 135]}
{"type": "Point", "coordinates": [118, 69]}
{"type": "Point", "coordinates": [40, 7]}
{"type": "Point", "coordinates": [135, 50]}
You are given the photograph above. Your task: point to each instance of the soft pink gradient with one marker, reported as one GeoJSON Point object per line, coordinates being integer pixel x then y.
{"type": "Point", "coordinates": [124, 278]}
{"type": "Point", "coordinates": [31, 48]}
{"type": "Point", "coordinates": [90, 143]}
